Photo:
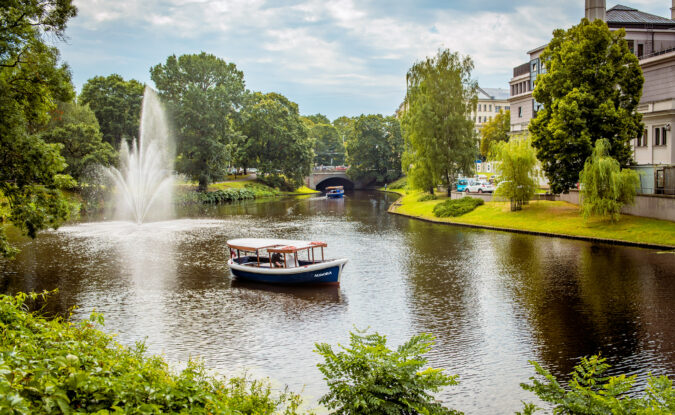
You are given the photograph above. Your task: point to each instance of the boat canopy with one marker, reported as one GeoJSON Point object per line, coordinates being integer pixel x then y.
{"type": "Point", "coordinates": [334, 188]}
{"type": "Point", "coordinates": [277, 245]}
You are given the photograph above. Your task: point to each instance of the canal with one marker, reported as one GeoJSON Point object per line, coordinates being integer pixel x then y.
{"type": "Point", "coordinates": [493, 300]}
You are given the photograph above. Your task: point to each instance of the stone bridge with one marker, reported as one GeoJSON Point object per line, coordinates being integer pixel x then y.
{"type": "Point", "coordinates": [320, 179]}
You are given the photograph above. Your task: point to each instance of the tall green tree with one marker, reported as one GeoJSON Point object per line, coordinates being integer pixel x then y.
{"type": "Point", "coordinates": [76, 129]}
{"type": "Point", "coordinates": [328, 146]}
{"type": "Point", "coordinates": [517, 169]}
{"type": "Point", "coordinates": [440, 137]}
{"type": "Point", "coordinates": [606, 187]}
{"type": "Point", "coordinates": [374, 147]}
{"type": "Point", "coordinates": [205, 95]}
{"type": "Point", "coordinates": [494, 131]}
{"type": "Point", "coordinates": [275, 139]}
{"type": "Point", "coordinates": [117, 105]}
{"type": "Point", "coordinates": [31, 80]}
{"type": "Point", "coordinates": [366, 377]}
{"type": "Point", "coordinates": [590, 91]}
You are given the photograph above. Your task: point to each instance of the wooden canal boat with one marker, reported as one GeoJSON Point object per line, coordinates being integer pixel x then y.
{"type": "Point", "coordinates": [283, 261]}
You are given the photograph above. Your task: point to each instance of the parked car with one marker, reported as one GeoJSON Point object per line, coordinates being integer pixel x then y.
{"type": "Point", "coordinates": [461, 185]}
{"type": "Point", "coordinates": [479, 186]}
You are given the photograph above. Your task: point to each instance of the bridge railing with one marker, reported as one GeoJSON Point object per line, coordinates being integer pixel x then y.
{"type": "Point", "coordinates": [328, 169]}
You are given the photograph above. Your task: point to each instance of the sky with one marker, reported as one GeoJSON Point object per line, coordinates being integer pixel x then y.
{"type": "Point", "coordinates": [343, 57]}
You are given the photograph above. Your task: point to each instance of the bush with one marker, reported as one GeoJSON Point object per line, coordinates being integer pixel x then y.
{"type": "Point", "coordinates": [368, 378]}
{"type": "Point", "coordinates": [278, 182]}
{"type": "Point", "coordinates": [401, 183]}
{"type": "Point", "coordinates": [55, 366]}
{"type": "Point", "coordinates": [425, 197]}
{"type": "Point", "coordinates": [606, 187]}
{"type": "Point", "coordinates": [588, 392]}
{"type": "Point", "coordinates": [457, 207]}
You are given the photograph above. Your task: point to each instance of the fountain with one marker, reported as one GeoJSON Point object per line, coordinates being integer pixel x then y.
{"type": "Point", "coordinates": [144, 180]}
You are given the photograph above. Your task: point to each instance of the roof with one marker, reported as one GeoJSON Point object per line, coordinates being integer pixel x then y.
{"type": "Point", "coordinates": [624, 15]}
{"type": "Point", "coordinates": [253, 244]}
{"type": "Point", "coordinates": [500, 94]}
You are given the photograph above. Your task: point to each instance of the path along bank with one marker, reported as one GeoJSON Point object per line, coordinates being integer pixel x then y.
{"type": "Point", "coordinates": [547, 218]}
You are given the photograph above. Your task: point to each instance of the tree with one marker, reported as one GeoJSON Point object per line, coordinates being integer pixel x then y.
{"type": "Point", "coordinates": [369, 378]}
{"type": "Point", "coordinates": [517, 168]}
{"type": "Point", "coordinates": [276, 141]}
{"type": "Point", "coordinates": [317, 119]}
{"type": "Point", "coordinates": [374, 147]}
{"type": "Point", "coordinates": [495, 130]}
{"type": "Point", "coordinates": [76, 129]}
{"type": "Point", "coordinates": [117, 105]}
{"type": "Point", "coordinates": [31, 80]}
{"type": "Point", "coordinates": [590, 91]}
{"type": "Point", "coordinates": [205, 95]}
{"type": "Point", "coordinates": [328, 146]}
{"type": "Point", "coordinates": [344, 125]}
{"type": "Point", "coordinates": [439, 134]}
{"type": "Point", "coordinates": [589, 392]}
{"type": "Point", "coordinates": [605, 186]}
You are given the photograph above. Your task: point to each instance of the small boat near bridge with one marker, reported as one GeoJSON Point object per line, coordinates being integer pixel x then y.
{"type": "Point", "coordinates": [335, 192]}
{"type": "Point", "coordinates": [283, 261]}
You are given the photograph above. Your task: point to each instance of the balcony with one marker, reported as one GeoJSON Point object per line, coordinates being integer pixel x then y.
{"type": "Point", "coordinates": [521, 70]}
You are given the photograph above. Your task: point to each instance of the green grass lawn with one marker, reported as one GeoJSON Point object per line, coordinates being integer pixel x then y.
{"type": "Point", "coordinates": [550, 217]}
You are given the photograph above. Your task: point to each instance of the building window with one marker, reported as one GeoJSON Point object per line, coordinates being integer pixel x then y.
{"type": "Point", "coordinates": [507, 108]}
{"type": "Point", "coordinates": [641, 50]}
{"type": "Point", "coordinates": [520, 112]}
{"type": "Point", "coordinates": [660, 136]}
{"type": "Point", "coordinates": [490, 109]}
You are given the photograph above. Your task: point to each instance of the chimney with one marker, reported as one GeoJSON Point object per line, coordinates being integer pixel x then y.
{"type": "Point", "coordinates": [672, 11]}
{"type": "Point", "coordinates": [595, 9]}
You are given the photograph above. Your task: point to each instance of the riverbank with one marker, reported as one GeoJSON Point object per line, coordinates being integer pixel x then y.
{"type": "Point", "coordinates": [233, 190]}
{"type": "Point", "coordinates": [560, 219]}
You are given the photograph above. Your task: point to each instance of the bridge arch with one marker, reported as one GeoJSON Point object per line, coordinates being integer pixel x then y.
{"type": "Point", "coordinates": [335, 181]}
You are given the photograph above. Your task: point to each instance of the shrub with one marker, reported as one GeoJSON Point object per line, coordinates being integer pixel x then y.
{"type": "Point", "coordinates": [457, 207]}
{"type": "Point", "coordinates": [401, 183]}
{"type": "Point", "coordinates": [278, 182]}
{"type": "Point", "coordinates": [588, 392]}
{"type": "Point", "coordinates": [425, 197]}
{"type": "Point", "coordinates": [55, 366]}
{"type": "Point", "coordinates": [369, 378]}
{"type": "Point", "coordinates": [606, 187]}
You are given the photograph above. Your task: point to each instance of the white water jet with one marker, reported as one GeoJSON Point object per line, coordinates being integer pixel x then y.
{"type": "Point", "coordinates": [144, 180]}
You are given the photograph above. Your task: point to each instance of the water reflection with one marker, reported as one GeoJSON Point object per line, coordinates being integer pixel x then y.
{"type": "Point", "coordinates": [493, 300]}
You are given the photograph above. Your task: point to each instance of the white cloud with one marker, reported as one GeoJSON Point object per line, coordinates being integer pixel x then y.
{"type": "Point", "coordinates": [338, 45]}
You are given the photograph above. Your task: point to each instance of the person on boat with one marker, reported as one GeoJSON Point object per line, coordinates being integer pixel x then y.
{"type": "Point", "coordinates": [276, 260]}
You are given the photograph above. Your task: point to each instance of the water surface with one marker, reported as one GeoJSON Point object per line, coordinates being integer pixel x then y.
{"type": "Point", "coordinates": [494, 300]}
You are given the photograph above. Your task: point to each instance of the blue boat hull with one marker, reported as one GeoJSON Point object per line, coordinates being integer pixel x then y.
{"type": "Point", "coordinates": [329, 275]}
{"type": "Point", "coordinates": [335, 195]}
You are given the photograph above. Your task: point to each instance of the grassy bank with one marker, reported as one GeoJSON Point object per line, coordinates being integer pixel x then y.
{"type": "Point", "coordinates": [559, 218]}
{"type": "Point", "coordinates": [233, 190]}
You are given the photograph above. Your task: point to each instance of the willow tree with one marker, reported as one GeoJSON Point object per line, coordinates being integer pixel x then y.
{"type": "Point", "coordinates": [439, 134]}
{"type": "Point", "coordinates": [605, 186]}
{"type": "Point", "coordinates": [590, 91]}
{"type": "Point", "coordinates": [517, 169]}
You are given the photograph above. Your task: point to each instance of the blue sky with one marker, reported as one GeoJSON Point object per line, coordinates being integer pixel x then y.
{"type": "Point", "coordinates": [334, 57]}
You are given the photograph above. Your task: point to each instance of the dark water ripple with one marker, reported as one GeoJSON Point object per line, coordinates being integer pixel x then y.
{"type": "Point", "coordinates": [493, 300]}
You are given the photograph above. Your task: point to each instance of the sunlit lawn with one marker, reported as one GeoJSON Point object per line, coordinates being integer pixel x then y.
{"type": "Point", "coordinates": [550, 217]}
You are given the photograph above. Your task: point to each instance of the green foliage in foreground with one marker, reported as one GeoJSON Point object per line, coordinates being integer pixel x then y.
{"type": "Point", "coordinates": [54, 366]}
{"type": "Point", "coordinates": [369, 378]}
{"type": "Point", "coordinates": [588, 392]}
{"type": "Point", "coordinates": [606, 187]}
{"type": "Point", "coordinates": [457, 207]}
